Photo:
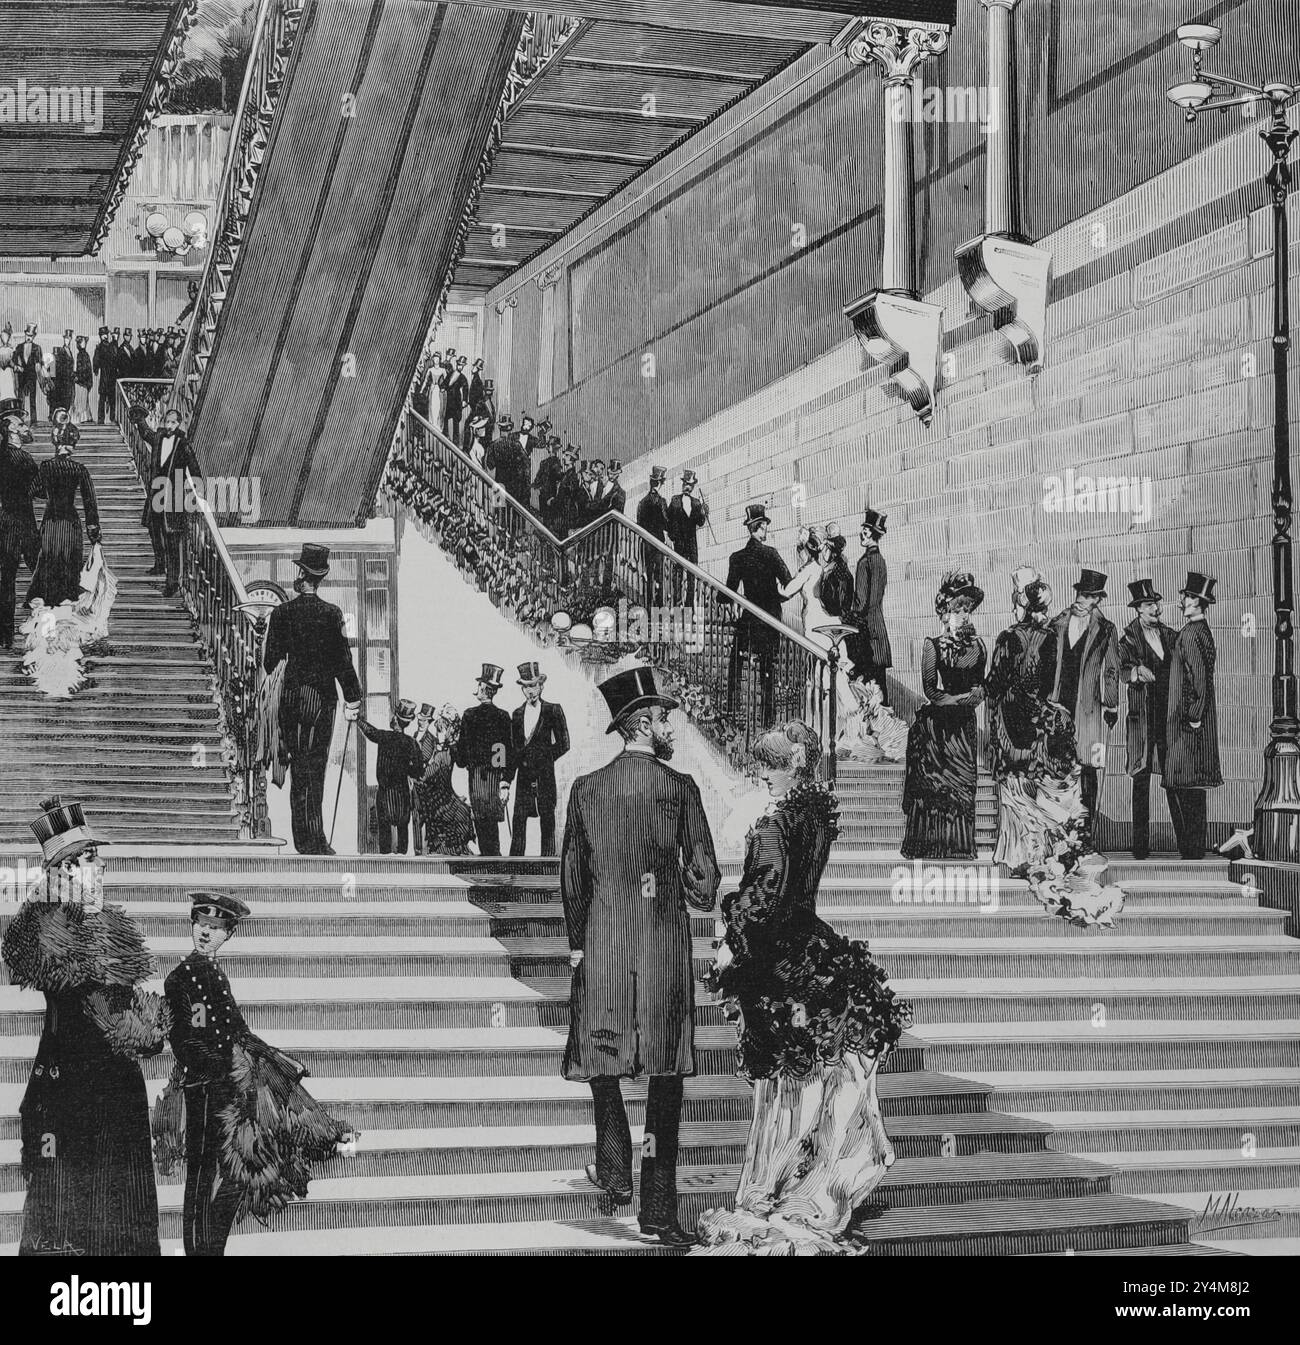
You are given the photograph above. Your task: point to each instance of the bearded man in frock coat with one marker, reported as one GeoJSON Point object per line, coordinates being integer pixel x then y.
{"type": "Point", "coordinates": [637, 856]}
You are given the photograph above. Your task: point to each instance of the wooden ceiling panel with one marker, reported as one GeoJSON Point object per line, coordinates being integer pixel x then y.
{"type": "Point", "coordinates": [519, 243]}
{"type": "Point", "coordinates": [516, 168]}
{"type": "Point", "coordinates": [643, 136]}
{"type": "Point", "coordinates": [528, 210]}
{"type": "Point", "coordinates": [750, 60]}
{"type": "Point", "coordinates": [628, 90]}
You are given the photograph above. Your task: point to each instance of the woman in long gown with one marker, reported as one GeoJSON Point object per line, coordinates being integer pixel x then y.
{"type": "Point", "coordinates": [943, 742]}
{"type": "Point", "coordinates": [59, 480]}
{"type": "Point", "coordinates": [446, 817]}
{"type": "Point", "coordinates": [7, 385]}
{"type": "Point", "coordinates": [86, 1153]}
{"type": "Point", "coordinates": [816, 1018]}
{"type": "Point", "coordinates": [1031, 737]}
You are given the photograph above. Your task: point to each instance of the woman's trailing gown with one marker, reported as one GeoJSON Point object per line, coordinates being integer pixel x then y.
{"type": "Point", "coordinates": [943, 752]}
{"type": "Point", "coordinates": [1031, 747]}
{"type": "Point", "coordinates": [816, 1017]}
{"type": "Point", "coordinates": [86, 1152]}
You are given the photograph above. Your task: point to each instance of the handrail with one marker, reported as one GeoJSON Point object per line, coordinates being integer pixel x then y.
{"type": "Point", "coordinates": [214, 594]}
{"type": "Point", "coordinates": [735, 678]}
{"type": "Point", "coordinates": [587, 529]}
{"type": "Point", "coordinates": [276, 21]}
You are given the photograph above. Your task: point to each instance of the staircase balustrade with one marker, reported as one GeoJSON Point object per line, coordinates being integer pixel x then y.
{"type": "Point", "coordinates": [629, 590]}
{"type": "Point", "coordinates": [213, 594]}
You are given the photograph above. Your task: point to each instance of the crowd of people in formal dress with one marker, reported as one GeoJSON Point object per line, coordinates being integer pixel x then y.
{"type": "Point", "coordinates": [82, 382]}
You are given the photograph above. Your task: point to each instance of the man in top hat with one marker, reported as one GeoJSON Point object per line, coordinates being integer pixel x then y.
{"type": "Point", "coordinates": [28, 358]}
{"type": "Point", "coordinates": [758, 573]}
{"type": "Point", "coordinates": [652, 515]}
{"type": "Point", "coordinates": [309, 634]}
{"type": "Point", "coordinates": [65, 375]}
{"type": "Point", "coordinates": [206, 1026]}
{"type": "Point", "coordinates": [104, 366]}
{"type": "Point", "coordinates": [547, 484]}
{"type": "Point", "coordinates": [539, 737]}
{"type": "Point", "coordinates": [171, 457]}
{"type": "Point", "coordinates": [484, 750]}
{"type": "Point", "coordinates": [399, 763]}
{"type": "Point", "coordinates": [688, 512]}
{"type": "Point", "coordinates": [638, 853]}
{"type": "Point", "coordinates": [126, 356]}
{"type": "Point", "coordinates": [869, 650]}
{"type": "Point", "coordinates": [1087, 681]}
{"type": "Point", "coordinates": [570, 497]}
{"type": "Point", "coordinates": [456, 386]}
{"type": "Point", "coordinates": [1192, 723]}
{"type": "Point", "coordinates": [19, 539]}
{"type": "Point", "coordinates": [1145, 649]}
{"type": "Point", "coordinates": [610, 497]}
{"type": "Point", "coordinates": [477, 388]}
{"type": "Point", "coordinates": [514, 463]}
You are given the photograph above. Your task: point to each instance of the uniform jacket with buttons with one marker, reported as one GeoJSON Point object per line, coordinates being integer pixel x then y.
{"type": "Point", "coordinates": [206, 1022]}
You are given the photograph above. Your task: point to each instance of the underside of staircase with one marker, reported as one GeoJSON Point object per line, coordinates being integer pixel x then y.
{"type": "Point", "coordinates": [140, 743]}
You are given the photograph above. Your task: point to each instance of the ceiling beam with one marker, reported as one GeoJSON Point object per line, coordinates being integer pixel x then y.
{"type": "Point", "coordinates": [775, 19]}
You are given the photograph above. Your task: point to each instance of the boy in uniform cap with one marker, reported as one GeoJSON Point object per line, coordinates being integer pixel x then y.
{"type": "Point", "coordinates": [688, 512]}
{"type": "Point", "coordinates": [206, 1025]}
{"type": "Point", "coordinates": [400, 762]}
{"type": "Point", "coordinates": [1192, 723]}
{"type": "Point", "coordinates": [309, 634]}
{"type": "Point", "coordinates": [484, 750]}
{"type": "Point", "coordinates": [1145, 648]}
{"type": "Point", "coordinates": [539, 737]}
{"type": "Point", "coordinates": [1087, 682]}
{"type": "Point", "coordinates": [637, 853]}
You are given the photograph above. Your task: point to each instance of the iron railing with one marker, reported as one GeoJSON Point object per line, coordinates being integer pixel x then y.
{"type": "Point", "coordinates": [214, 594]}
{"type": "Point", "coordinates": [631, 591]}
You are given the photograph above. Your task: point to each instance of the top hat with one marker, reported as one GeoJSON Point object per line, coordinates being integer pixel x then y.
{"type": "Point", "coordinates": [62, 830]}
{"type": "Point", "coordinates": [11, 406]}
{"type": "Point", "coordinates": [428, 711]}
{"type": "Point", "coordinates": [627, 692]}
{"type": "Point", "coordinates": [1092, 584]}
{"type": "Point", "coordinates": [81, 340]}
{"type": "Point", "coordinates": [29, 329]}
{"type": "Point", "coordinates": [313, 559]}
{"type": "Point", "coordinates": [405, 712]}
{"type": "Point", "coordinates": [874, 521]}
{"type": "Point", "coordinates": [478, 364]}
{"type": "Point", "coordinates": [755, 514]}
{"type": "Point", "coordinates": [117, 331]}
{"type": "Point", "coordinates": [103, 331]}
{"type": "Point", "coordinates": [1143, 590]}
{"type": "Point", "coordinates": [615, 466]}
{"type": "Point", "coordinates": [489, 384]}
{"type": "Point", "coordinates": [584, 465]}
{"type": "Point", "coordinates": [571, 450]}
{"type": "Point", "coordinates": [492, 676]}
{"type": "Point", "coordinates": [67, 333]}
{"type": "Point", "coordinates": [1198, 586]}
{"type": "Point", "coordinates": [527, 424]}
{"type": "Point", "coordinates": [126, 331]}
{"type": "Point", "coordinates": [657, 475]}
{"type": "Point", "coordinates": [216, 906]}
{"type": "Point", "coordinates": [60, 416]}
{"type": "Point", "coordinates": [530, 674]}
{"type": "Point", "coordinates": [689, 478]}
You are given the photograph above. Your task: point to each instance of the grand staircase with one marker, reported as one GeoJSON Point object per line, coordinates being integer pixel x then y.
{"type": "Point", "coordinates": [140, 743]}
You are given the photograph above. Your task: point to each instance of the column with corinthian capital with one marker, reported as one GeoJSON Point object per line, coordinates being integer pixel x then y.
{"type": "Point", "coordinates": [895, 327]}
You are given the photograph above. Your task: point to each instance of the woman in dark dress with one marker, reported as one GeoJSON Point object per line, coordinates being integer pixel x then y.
{"type": "Point", "coordinates": [446, 817]}
{"type": "Point", "coordinates": [943, 743]}
{"type": "Point", "coordinates": [59, 480]}
{"type": "Point", "coordinates": [816, 1018]}
{"type": "Point", "coordinates": [86, 1153]}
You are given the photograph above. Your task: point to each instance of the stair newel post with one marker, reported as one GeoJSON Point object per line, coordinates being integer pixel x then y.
{"type": "Point", "coordinates": [832, 733]}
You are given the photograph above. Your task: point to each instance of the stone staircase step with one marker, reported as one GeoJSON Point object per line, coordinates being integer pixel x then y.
{"type": "Point", "coordinates": [1154, 1171]}
{"type": "Point", "coordinates": [1126, 1090]}
{"type": "Point", "coordinates": [1207, 1129]}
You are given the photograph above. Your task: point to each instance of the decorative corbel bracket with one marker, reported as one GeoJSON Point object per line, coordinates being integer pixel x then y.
{"type": "Point", "coordinates": [1010, 278]}
{"type": "Point", "coordinates": [903, 334]}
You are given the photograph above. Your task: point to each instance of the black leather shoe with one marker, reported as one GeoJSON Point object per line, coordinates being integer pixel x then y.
{"type": "Point", "coordinates": [618, 1196]}
{"type": "Point", "coordinates": [671, 1235]}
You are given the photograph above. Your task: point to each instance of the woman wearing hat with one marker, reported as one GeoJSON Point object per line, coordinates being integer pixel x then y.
{"type": "Point", "coordinates": [84, 379]}
{"type": "Point", "coordinates": [445, 817]}
{"type": "Point", "coordinates": [943, 742]}
{"type": "Point", "coordinates": [816, 1019]}
{"type": "Point", "coordinates": [86, 1152]}
{"type": "Point", "coordinates": [1031, 737]}
{"type": "Point", "coordinates": [60, 480]}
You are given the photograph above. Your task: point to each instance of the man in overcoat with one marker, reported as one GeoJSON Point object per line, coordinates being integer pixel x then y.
{"type": "Point", "coordinates": [1145, 648]}
{"type": "Point", "coordinates": [1087, 681]}
{"type": "Point", "coordinates": [19, 538]}
{"type": "Point", "coordinates": [1192, 726]}
{"type": "Point", "coordinates": [539, 737]}
{"type": "Point", "coordinates": [652, 515]}
{"type": "Point", "coordinates": [869, 650]}
{"type": "Point", "coordinates": [484, 750]}
{"type": "Point", "coordinates": [637, 856]}
{"type": "Point", "coordinates": [758, 573]}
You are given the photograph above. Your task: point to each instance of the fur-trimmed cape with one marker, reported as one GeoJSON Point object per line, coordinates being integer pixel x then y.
{"type": "Point", "coordinates": [58, 947]}
{"type": "Point", "coordinates": [272, 1131]}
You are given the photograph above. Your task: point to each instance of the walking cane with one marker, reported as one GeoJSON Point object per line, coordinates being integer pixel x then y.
{"type": "Point", "coordinates": [338, 793]}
